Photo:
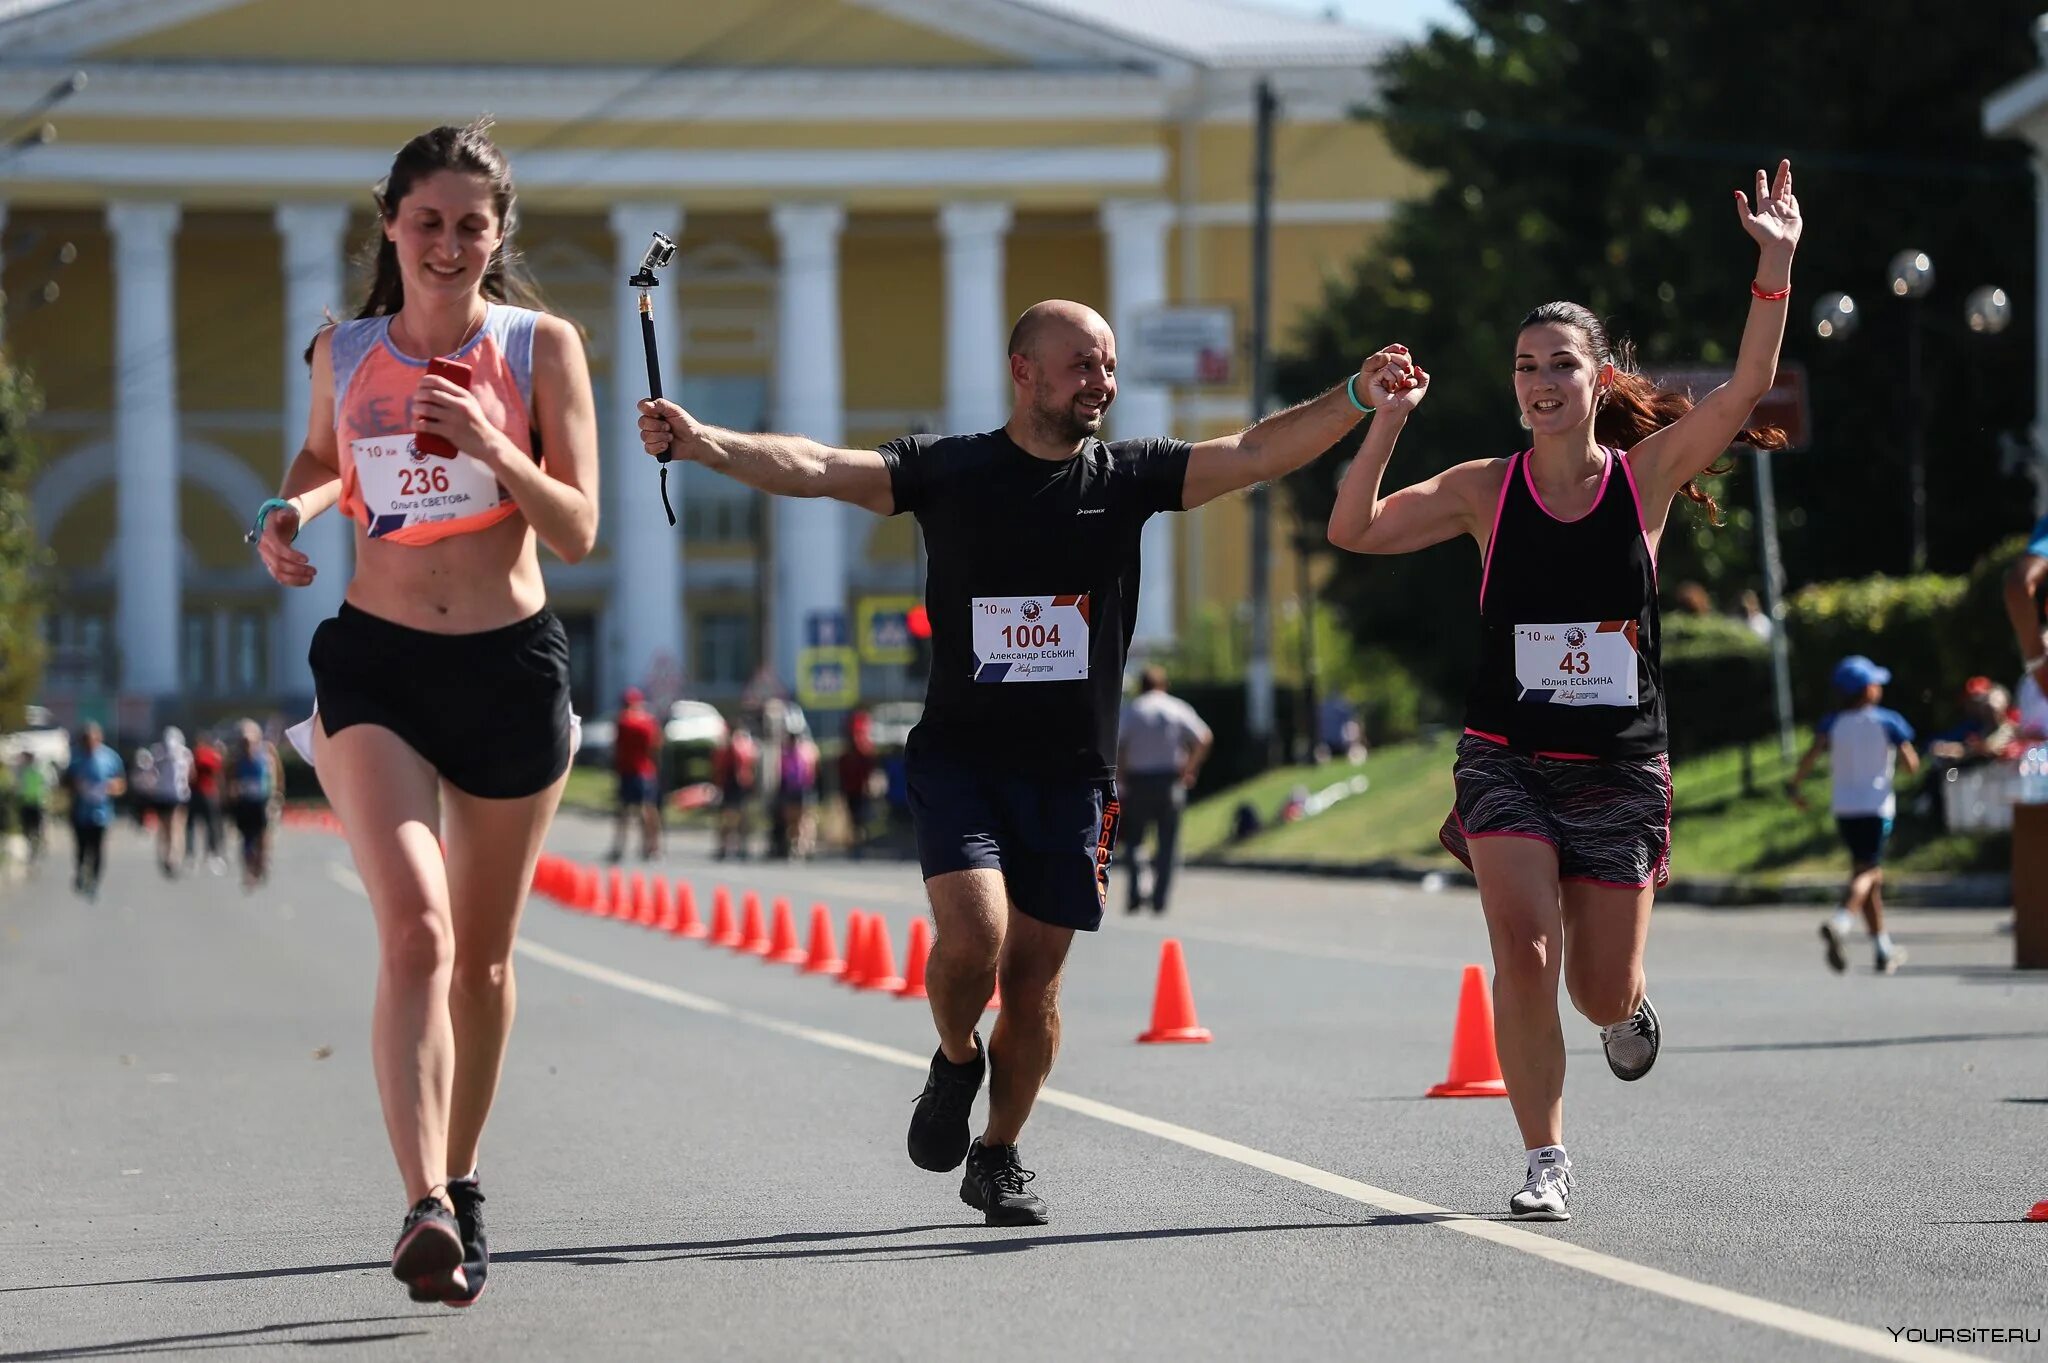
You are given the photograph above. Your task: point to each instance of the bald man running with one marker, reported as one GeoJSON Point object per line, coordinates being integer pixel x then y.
{"type": "Point", "coordinates": [1032, 536]}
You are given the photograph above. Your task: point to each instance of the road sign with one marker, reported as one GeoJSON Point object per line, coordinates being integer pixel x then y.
{"type": "Point", "coordinates": [885, 629]}
{"type": "Point", "coordinates": [1784, 406]}
{"type": "Point", "coordinates": [826, 629]}
{"type": "Point", "coordinates": [1188, 346]}
{"type": "Point", "coordinates": [827, 678]}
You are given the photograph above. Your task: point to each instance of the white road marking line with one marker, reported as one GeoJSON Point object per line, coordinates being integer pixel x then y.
{"type": "Point", "coordinates": [1755, 1310]}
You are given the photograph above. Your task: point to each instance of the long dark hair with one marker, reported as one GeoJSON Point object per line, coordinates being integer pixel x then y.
{"type": "Point", "coordinates": [470, 150]}
{"type": "Point", "coordinates": [1635, 406]}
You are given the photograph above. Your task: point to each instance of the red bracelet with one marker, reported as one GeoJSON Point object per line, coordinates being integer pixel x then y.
{"type": "Point", "coordinates": [1757, 289]}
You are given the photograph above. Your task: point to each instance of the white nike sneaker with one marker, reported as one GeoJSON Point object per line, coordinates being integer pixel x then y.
{"type": "Point", "coordinates": [1547, 1194]}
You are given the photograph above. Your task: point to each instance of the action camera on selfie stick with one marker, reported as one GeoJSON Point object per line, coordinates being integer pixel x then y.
{"type": "Point", "coordinates": [658, 256]}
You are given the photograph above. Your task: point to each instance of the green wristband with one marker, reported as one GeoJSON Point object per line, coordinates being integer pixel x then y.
{"type": "Point", "coordinates": [262, 515]}
{"type": "Point", "coordinates": [1351, 391]}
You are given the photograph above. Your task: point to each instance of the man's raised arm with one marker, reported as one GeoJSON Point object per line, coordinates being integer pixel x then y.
{"type": "Point", "coordinates": [785, 465]}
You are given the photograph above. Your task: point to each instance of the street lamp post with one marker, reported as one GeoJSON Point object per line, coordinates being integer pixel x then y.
{"type": "Point", "coordinates": [1912, 276]}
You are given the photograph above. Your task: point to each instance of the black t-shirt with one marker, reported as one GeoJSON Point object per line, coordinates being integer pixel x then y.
{"type": "Point", "coordinates": [1033, 554]}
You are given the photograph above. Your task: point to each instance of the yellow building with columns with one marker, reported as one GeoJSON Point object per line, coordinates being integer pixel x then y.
{"type": "Point", "coordinates": [864, 193]}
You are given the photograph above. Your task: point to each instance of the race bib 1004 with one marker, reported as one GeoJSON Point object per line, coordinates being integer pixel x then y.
{"type": "Point", "coordinates": [1591, 663]}
{"type": "Point", "coordinates": [402, 487]}
{"type": "Point", "coordinates": [1030, 638]}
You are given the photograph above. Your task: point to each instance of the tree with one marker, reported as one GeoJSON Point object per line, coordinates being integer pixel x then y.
{"type": "Point", "coordinates": [1587, 151]}
{"type": "Point", "coordinates": [21, 557]}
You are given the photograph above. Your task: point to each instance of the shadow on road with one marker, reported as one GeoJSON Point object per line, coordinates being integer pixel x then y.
{"type": "Point", "coordinates": [1860, 1043]}
{"type": "Point", "coordinates": [254, 1337]}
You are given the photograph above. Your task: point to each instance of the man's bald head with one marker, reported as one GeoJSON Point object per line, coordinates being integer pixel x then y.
{"type": "Point", "coordinates": [1058, 319]}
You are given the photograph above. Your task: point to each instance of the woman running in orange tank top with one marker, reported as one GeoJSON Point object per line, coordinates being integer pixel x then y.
{"type": "Point", "coordinates": [442, 686]}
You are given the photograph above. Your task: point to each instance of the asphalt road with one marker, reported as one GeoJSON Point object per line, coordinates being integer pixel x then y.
{"type": "Point", "coordinates": [696, 1154]}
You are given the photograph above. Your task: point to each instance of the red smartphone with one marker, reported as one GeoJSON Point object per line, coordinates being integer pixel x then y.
{"type": "Point", "coordinates": [456, 372]}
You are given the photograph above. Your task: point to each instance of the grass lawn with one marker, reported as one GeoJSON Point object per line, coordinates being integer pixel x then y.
{"type": "Point", "coordinates": [1717, 829]}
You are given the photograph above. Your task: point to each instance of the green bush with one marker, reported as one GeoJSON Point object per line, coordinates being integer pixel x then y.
{"type": "Point", "coordinates": [1717, 682]}
{"type": "Point", "coordinates": [1924, 629]}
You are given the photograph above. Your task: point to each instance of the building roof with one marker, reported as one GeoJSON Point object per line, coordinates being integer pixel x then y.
{"type": "Point", "coordinates": [1227, 34]}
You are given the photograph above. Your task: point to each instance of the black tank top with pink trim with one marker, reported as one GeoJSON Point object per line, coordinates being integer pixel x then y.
{"type": "Point", "coordinates": [1569, 625]}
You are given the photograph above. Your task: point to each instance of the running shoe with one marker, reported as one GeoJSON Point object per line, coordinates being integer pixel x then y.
{"type": "Point", "coordinates": [938, 1126]}
{"type": "Point", "coordinates": [1888, 962]}
{"type": "Point", "coordinates": [1632, 1043]}
{"type": "Point", "coordinates": [1548, 1193]}
{"type": "Point", "coordinates": [1838, 961]}
{"type": "Point", "coordinates": [429, 1249]}
{"type": "Point", "coordinates": [994, 1185]}
{"type": "Point", "coordinates": [468, 1285]}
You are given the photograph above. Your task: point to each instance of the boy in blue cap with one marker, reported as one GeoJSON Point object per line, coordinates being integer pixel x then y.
{"type": "Point", "coordinates": [1863, 736]}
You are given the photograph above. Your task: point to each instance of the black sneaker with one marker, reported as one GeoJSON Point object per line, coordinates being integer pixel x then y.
{"type": "Point", "coordinates": [468, 1198]}
{"type": "Point", "coordinates": [939, 1136]}
{"type": "Point", "coordinates": [429, 1250]}
{"type": "Point", "coordinates": [1632, 1044]}
{"type": "Point", "coordinates": [995, 1185]}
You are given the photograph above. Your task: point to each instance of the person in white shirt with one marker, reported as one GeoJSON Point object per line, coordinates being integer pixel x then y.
{"type": "Point", "coordinates": [1864, 738]}
{"type": "Point", "coordinates": [1161, 744]}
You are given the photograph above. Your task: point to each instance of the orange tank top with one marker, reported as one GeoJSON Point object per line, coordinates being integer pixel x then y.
{"type": "Point", "coordinates": [399, 493]}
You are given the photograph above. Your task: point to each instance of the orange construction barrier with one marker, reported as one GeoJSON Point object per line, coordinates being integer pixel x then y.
{"type": "Point", "coordinates": [724, 932]}
{"type": "Point", "coordinates": [783, 947]}
{"type": "Point", "coordinates": [881, 972]}
{"type": "Point", "coordinates": [753, 932]}
{"type": "Point", "coordinates": [686, 923]}
{"type": "Point", "coordinates": [823, 957]}
{"type": "Point", "coordinates": [914, 957]}
{"type": "Point", "coordinates": [1475, 1067]}
{"type": "Point", "coordinates": [856, 948]}
{"type": "Point", "coordinates": [1173, 1001]}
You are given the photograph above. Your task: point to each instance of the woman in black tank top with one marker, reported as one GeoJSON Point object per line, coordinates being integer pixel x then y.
{"type": "Point", "coordinates": [1563, 787]}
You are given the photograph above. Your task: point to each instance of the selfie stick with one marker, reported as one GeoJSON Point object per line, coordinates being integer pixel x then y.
{"type": "Point", "coordinates": [658, 256]}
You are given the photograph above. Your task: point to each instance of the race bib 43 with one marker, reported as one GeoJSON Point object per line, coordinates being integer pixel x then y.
{"type": "Point", "coordinates": [1589, 663]}
{"type": "Point", "coordinates": [1030, 638]}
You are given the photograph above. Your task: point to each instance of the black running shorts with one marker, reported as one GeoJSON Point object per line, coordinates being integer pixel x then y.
{"type": "Point", "coordinates": [1051, 837]}
{"type": "Point", "coordinates": [489, 711]}
{"type": "Point", "coordinates": [1609, 820]}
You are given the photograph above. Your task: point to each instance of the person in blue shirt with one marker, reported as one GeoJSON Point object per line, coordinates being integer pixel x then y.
{"type": "Point", "coordinates": [1864, 738]}
{"type": "Point", "coordinates": [95, 779]}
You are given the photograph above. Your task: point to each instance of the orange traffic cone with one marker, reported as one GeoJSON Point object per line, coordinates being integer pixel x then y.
{"type": "Point", "coordinates": [881, 971]}
{"type": "Point", "coordinates": [1173, 1002]}
{"type": "Point", "coordinates": [2040, 1211]}
{"type": "Point", "coordinates": [856, 948]}
{"type": "Point", "coordinates": [783, 948]}
{"type": "Point", "coordinates": [753, 932]}
{"type": "Point", "coordinates": [823, 958]}
{"type": "Point", "coordinates": [687, 923]}
{"type": "Point", "coordinates": [723, 932]}
{"type": "Point", "coordinates": [638, 903]}
{"type": "Point", "coordinates": [1475, 1068]}
{"type": "Point", "coordinates": [664, 916]}
{"type": "Point", "coordinates": [615, 902]}
{"type": "Point", "coordinates": [914, 956]}
{"type": "Point", "coordinates": [995, 999]}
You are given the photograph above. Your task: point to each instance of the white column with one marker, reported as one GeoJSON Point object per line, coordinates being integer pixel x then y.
{"type": "Point", "coordinates": [147, 598]}
{"type": "Point", "coordinates": [1135, 233]}
{"type": "Point", "coordinates": [810, 383]}
{"type": "Point", "coordinates": [977, 374]}
{"type": "Point", "coordinates": [647, 553]}
{"type": "Point", "coordinates": [311, 237]}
